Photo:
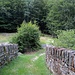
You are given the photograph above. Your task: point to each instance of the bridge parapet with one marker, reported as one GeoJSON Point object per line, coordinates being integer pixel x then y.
{"type": "Point", "coordinates": [60, 61]}
{"type": "Point", "coordinates": [7, 53]}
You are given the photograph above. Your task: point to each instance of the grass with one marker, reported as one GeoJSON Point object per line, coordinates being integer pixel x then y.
{"type": "Point", "coordinates": [46, 39]}
{"type": "Point", "coordinates": [5, 37]}
{"type": "Point", "coordinates": [24, 65]}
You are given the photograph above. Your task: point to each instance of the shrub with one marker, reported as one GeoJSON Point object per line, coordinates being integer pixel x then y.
{"type": "Point", "coordinates": [28, 37]}
{"type": "Point", "coordinates": [67, 39]}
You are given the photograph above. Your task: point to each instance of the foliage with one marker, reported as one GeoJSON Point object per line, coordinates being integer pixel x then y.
{"type": "Point", "coordinates": [61, 16]}
{"type": "Point", "coordinates": [14, 12]}
{"type": "Point", "coordinates": [67, 39]}
{"type": "Point", "coordinates": [50, 15]}
{"type": "Point", "coordinates": [11, 14]}
{"type": "Point", "coordinates": [28, 37]}
{"type": "Point", "coordinates": [28, 10]}
{"type": "Point", "coordinates": [37, 11]}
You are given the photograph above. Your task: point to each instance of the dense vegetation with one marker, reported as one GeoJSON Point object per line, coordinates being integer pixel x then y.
{"type": "Point", "coordinates": [61, 16]}
{"type": "Point", "coordinates": [66, 39]}
{"type": "Point", "coordinates": [50, 15]}
{"type": "Point", "coordinates": [11, 14]}
{"type": "Point", "coordinates": [28, 37]}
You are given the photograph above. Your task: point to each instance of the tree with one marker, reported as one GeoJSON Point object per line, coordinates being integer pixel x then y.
{"type": "Point", "coordinates": [28, 37]}
{"type": "Point", "coordinates": [11, 15]}
{"type": "Point", "coordinates": [61, 16]}
{"type": "Point", "coordinates": [28, 9]}
{"type": "Point", "coordinates": [37, 11]}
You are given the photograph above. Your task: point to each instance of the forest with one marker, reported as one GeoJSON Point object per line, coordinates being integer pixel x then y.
{"type": "Point", "coordinates": [52, 17]}
{"type": "Point", "coordinates": [49, 15]}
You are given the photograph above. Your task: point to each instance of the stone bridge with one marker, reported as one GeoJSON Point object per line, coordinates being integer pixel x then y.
{"type": "Point", "coordinates": [7, 53]}
{"type": "Point", "coordinates": [60, 61]}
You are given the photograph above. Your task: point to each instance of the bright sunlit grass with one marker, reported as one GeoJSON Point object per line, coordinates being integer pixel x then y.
{"type": "Point", "coordinates": [46, 39]}
{"type": "Point", "coordinates": [5, 37]}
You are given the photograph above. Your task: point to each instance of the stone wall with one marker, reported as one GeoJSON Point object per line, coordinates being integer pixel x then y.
{"type": "Point", "coordinates": [60, 61]}
{"type": "Point", "coordinates": [7, 53]}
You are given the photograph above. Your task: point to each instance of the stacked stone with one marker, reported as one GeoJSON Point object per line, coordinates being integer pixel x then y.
{"type": "Point", "coordinates": [60, 61]}
{"type": "Point", "coordinates": [7, 53]}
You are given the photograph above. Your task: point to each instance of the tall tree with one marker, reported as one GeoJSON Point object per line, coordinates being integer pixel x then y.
{"type": "Point", "coordinates": [61, 16]}
{"type": "Point", "coordinates": [11, 15]}
{"type": "Point", "coordinates": [37, 11]}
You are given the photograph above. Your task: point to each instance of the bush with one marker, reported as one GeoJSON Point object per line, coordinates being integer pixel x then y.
{"type": "Point", "coordinates": [28, 37]}
{"type": "Point", "coordinates": [67, 39]}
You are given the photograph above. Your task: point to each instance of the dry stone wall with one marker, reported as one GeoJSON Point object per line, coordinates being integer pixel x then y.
{"type": "Point", "coordinates": [60, 61]}
{"type": "Point", "coordinates": [7, 53]}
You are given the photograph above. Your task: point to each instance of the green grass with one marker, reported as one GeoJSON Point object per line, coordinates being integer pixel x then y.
{"type": "Point", "coordinates": [5, 37]}
{"type": "Point", "coordinates": [24, 65]}
{"type": "Point", "coordinates": [46, 39]}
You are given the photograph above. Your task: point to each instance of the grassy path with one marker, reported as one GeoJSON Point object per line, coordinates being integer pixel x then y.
{"type": "Point", "coordinates": [24, 65]}
{"type": "Point", "coordinates": [27, 64]}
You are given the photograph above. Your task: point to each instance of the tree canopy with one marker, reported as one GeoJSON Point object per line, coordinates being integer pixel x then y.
{"type": "Point", "coordinates": [11, 14]}
{"type": "Point", "coordinates": [49, 15]}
